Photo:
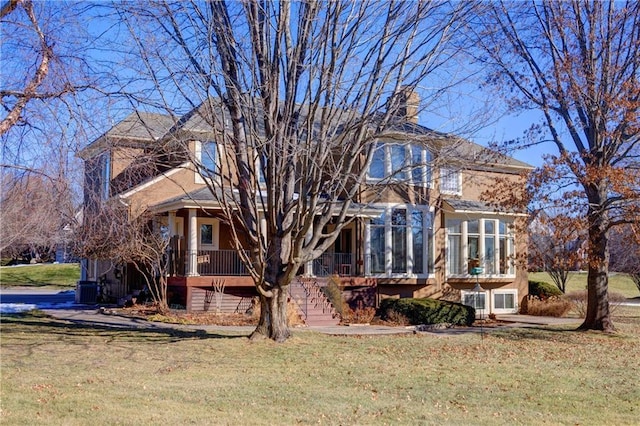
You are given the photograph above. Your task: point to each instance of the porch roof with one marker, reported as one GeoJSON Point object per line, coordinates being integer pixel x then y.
{"type": "Point", "coordinates": [474, 206]}
{"type": "Point", "coordinates": [205, 199]}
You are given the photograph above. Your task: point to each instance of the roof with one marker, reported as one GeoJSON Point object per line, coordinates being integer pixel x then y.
{"type": "Point", "coordinates": [137, 126]}
{"type": "Point", "coordinates": [204, 198]}
{"type": "Point", "coordinates": [474, 206]}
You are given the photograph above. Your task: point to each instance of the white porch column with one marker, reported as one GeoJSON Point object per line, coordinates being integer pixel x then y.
{"type": "Point", "coordinates": [308, 267]}
{"type": "Point", "coordinates": [172, 223]}
{"type": "Point", "coordinates": [192, 248]}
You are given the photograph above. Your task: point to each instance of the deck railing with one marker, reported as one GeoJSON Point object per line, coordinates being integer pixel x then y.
{"type": "Point", "coordinates": [228, 263]}
{"type": "Point", "coordinates": [211, 262]}
{"type": "Point", "coordinates": [334, 263]}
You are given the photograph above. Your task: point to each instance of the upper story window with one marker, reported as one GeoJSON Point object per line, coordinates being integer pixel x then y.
{"type": "Point", "coordinates": [207, 159]}
{"type": "Point", "coordinates": [480, 242]}
{"type": "Point", "coordinates": [401, 162]}
{"type": "Point", "coordinates": [105, 175]}
{"type": "Point", "coordinates": [450, 181]}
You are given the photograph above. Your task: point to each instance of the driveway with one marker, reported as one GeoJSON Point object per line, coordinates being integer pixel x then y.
{"type": "Point", "coordinates": [15, 299]}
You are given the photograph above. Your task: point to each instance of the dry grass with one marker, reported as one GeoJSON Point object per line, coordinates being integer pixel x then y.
{"type": "Point", "coordinates": [550, 307]}
{"type": "Point", "coordinates": [59, 372]}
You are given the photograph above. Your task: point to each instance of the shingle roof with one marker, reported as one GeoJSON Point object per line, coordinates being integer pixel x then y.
{"type": "Point", "coordinates": [137, 126]}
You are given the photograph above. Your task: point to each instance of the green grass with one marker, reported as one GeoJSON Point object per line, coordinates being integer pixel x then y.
{"type": "Point", "coordinates": [618, 283]}
{"type": "Point", "coordinates": [39, 275]}
{"type": "Point", "coordinates": [58, 372]}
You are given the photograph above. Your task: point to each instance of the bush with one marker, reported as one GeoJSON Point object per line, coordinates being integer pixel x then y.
{"type": "Point", "coordinates": [427, 311]}
{"type": "Point", "coordinates": [579, 301]}
{"type": "Point", "coordinates": [554, 306]}
{"type": "Point", "coordinates": [543, 290]}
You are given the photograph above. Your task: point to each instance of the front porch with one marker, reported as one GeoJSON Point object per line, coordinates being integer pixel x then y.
{"type": "Point", "coordinates": [227, 263]}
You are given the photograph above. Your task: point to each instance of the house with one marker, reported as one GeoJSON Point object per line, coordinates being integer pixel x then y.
{"type": "Point", "coordinates": [425, 231]}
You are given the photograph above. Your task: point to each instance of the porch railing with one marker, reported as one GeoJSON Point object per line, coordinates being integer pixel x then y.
{"type": "Point", "coordinates": [334, 263]}
{"type": "Point", "coordinates": [211, 262]}
{"type": "Point", "coordinates": [227, 262]}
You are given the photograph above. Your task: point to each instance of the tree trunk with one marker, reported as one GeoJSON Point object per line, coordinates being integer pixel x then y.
{"type": "Point", "coordinates": [598, 315]}
{"type": "Point", "coordinates": [273, 322]}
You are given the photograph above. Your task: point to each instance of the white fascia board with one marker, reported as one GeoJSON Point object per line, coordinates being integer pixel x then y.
{"type": "Point", "coordinates": [160, 177]}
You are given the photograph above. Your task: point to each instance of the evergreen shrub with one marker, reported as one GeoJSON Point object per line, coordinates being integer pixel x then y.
{"type": "Point", "coordinates": [427, 311]}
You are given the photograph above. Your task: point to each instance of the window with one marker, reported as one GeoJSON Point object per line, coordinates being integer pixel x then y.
{"type": "Point", "coordinates": [406, 162]}
{"type": "Point", "coordinates": [378, 244]}
{"type": "Point", "coordinates": [401, 242]}
{"type": "Point", "coordinates": [206, 156]}
{"type": "Point", "coordinates": [105, 175]}
{"type": "Point", "coordinates": [505, 301]}
{"type": "Point", "coordinates": [474, 243]}
{"type": "Point", "coordinates": [450, 181]}
{"type": "Point", "coordinates": [502, 301]}
{"type": "Point", "coordinates": [208, 232]}
{"type": "Point", "coordinates": [475, 299]}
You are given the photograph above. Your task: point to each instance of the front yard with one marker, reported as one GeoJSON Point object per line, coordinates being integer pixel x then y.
{"type": "Point", "coordinates": [57, 372]}
{"type": "Point", "coordinates": [40, 275]}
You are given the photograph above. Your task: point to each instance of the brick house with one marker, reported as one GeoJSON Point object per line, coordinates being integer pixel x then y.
{"type": "Point", "coordinates": [420, 235]}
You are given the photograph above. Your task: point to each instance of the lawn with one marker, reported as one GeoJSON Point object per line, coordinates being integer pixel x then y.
{"type": "Point", "coordinates": [57, 372]}
{"type": "Point", "coordinates": [618, 283]}
{"type": "Point", "coordinates": [39, 275]}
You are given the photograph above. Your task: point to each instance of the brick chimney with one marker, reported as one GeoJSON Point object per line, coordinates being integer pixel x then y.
{"type": "Point", "coordinates": [409, 104]}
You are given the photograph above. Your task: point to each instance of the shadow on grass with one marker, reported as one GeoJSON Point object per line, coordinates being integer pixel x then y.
{"type": "Point", "coordinates": [144, 333]}
{"type": "Point", "coordinates": [554, 333]}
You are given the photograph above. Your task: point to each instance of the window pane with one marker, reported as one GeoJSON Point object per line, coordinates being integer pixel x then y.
{"type": "Point", "coordinates": [473, 247]}
{"type": "Point", "coordinates": [503, 227]}
{"type": "Point", "coordinates": [489, 255]}
{"type": "Point", "coordinates": [454, 258]}
{"type": "Point", "coordinates": [418, 241]}
{"type": "Point", "coordinates": [504, 301]}
{"type": "Point", "coordinates": [489, 226]}
{"type": "Point", "coordinates": [399, 250]}
{"type": "Point", "coordinates": [208, 156]}
{"type": "Point", "coordinates": [417, 165]}
{"type": "Point", "coordinates": [453, 226]}
{"type": "Point", "coordinates": [475, 300]}
{"type": "Point", "coordinates": [504, 261]}
{"type": "Point", "coordinates": [399, 240]}
{"type": "Point", "coordinates": [377, 249]}
{"type": "Point", "coordinates": [399, 217]}
{"type": "Point", "coordinates": [206, 234]}
{"type": "Point", "coordinates": [473, 226]}
{"type": "Point", "coordinates": [377, 169]}
{"type": "Point", "coordinates": [397, 161]}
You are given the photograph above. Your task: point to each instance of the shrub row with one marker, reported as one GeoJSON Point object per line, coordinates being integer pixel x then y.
{"type": "Point", "coordinates": [427, 311]}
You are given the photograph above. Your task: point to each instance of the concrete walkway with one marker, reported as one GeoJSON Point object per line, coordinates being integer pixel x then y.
{"type": "Point", "coordinates": [98, 318]}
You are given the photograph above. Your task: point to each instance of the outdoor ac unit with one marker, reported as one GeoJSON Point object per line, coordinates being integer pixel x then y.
{"type": "Point", "coordinates": [87, 292]}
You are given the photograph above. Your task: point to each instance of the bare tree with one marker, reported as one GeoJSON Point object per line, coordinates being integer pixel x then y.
{"type": "Point", "coordinates": [577, 62]}
{"type": "Point", "coordinates": [111, 231]}
{"type": "Point", "coordinates": [297, 94]}
{"type": "Point", "coordinates": [625, 252]}
{"type": "Point", "coordinates": [555, 246]}
{"type": "Point", "coordinates": [34, 211]}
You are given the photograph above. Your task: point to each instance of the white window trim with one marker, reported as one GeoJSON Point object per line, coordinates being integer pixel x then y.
{"type": "Point", "coordinates": [480, 312]}
{"type": "Point", "coordinates": [198, 157]}
{"type": "Point", "coordinates": [514, 310]}
{"type": "Point", "coordinates": [215, 223]}
{"type": "Point", "coordinates": [511, 249]}
{"type": "Point", "coordinates": [443, 172]}
{"type": "Point", "coordinates": [388, 260]}
{"type": "Point", "coordinates": [407, 171]}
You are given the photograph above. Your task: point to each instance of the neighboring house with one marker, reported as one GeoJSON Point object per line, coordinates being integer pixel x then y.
{"type": "Point", "coordinates": [422, 242]}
